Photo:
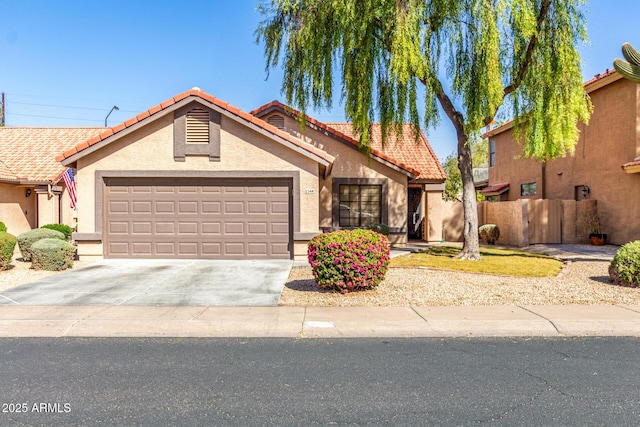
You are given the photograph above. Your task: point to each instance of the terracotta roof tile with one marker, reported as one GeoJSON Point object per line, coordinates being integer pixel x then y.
{"type": "Point", "coordinates": [635, 162]}
{"type": "Point", "coordinates": [30, 152]}
{"type": "Point", "coordinates": [207, 97]}
{"type": "Point", "coordinates": [418, 155]}
{"type": "Point", "coordinates": [343, 136]}
{"type": "Point", "coordinates": [495, 189]}
{"type": "Point", "coordinates": [5, 172]}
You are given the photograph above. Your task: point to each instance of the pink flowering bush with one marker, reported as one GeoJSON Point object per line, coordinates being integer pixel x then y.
{"type": "Point", "coordinates": [349, 260]}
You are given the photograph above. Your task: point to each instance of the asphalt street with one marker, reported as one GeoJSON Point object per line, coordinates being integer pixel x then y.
{"type": "Point", "coordinates": [245, 382]}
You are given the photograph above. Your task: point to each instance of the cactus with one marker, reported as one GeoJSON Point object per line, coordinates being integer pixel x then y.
{"type": "Point", "coordinates": [630, 69]}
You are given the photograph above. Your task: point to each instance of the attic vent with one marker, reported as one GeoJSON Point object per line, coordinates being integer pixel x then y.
{"type": "Point", "coordinates": [277, 121]}
{"type": "Point", "coordinates": [197, 126]}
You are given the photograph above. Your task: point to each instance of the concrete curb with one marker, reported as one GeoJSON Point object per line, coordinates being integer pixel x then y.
{"type": "Point", "coordinates": [319, 322]}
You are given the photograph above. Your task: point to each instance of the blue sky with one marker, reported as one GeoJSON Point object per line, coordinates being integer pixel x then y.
{"type": "Point", "coordinates": [67, 62]}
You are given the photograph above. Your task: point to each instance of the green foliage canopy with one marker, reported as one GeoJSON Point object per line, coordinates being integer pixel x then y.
{"type": "Point", "coordinates": [491, 51]}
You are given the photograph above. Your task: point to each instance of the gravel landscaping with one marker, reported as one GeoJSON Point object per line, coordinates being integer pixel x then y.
{"type": "Point", "coordinates": [584, 280]}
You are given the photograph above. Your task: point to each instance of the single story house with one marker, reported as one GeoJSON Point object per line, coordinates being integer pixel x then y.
{"type": "Point", "coordinates": [605, 165]}
{"type": "Point", "coordinates": [32, 192]}
{"type": "Point", "coordinates": [195, 177]}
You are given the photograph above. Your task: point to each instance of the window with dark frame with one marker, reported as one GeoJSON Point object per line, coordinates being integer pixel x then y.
{"type": "Point", "coordinates": [360, 205]}
{"type": "Point", "coordinates": [528, 189]}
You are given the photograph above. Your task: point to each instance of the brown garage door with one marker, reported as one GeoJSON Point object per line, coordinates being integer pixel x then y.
{"type": "Point", "coordinates": [197, 218]}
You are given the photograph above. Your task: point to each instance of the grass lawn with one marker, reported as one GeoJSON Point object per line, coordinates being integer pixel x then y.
{"type": "Point", "coordinates": [508, 262]}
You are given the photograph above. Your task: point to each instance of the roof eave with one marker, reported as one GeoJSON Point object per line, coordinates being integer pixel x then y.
{"type": "Point", "coordinates": [73, 158]}
{"type": "Point", "coordinates": [324, 129]}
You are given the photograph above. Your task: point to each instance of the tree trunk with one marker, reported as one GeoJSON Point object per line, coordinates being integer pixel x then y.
{"type": "Point", "coordinates": [471, 246]}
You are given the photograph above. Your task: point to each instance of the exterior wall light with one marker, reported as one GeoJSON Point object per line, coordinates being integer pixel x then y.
{"type": "Point", "coordinates": [27, 193]}
{"type": "Point", "coordinates": [585, 191]}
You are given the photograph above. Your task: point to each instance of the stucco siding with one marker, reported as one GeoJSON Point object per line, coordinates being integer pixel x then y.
{"type": "Point", "coordinates": [17, 211]}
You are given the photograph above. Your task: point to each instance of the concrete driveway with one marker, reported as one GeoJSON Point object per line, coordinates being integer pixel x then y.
{"type": "Point", "coordinates": [159, 282]}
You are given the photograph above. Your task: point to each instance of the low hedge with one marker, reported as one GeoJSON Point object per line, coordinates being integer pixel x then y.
{"type": "Point", "coordinates": [3, 227]}
{"type": "Point", "coordinates": [52, 254]}
{"type": "Point", "coordinates": [28, 238]}
{"type": "Point", "coordinates": [349, 260]}
{"type": "Point", "coordinates": [624, 269]}
{"type": "Point", "coordinates": [64, 229]}
{"type": "Point", "coordinates": [7, 245]}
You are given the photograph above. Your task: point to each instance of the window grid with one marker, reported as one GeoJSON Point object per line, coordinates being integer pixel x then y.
{"type": "Point", "coordinates": [360, 205]}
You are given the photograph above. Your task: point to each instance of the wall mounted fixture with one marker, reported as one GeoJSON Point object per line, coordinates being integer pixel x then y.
{"type": "Point", "coordinates": [585, 191]}
{"type": "Point", "coordinates": [27, 193]}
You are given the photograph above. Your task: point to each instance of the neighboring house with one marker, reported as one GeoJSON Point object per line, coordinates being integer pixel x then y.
{"type": "Point", "coordinates": [32, 192]}
{"type": "Point", "coordinates": [604, 167]}
{"type": "Point", "coordinates": [195, 177]}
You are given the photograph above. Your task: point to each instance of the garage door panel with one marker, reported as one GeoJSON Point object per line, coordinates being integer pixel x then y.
{"type": "Point", "coordinates": [197, 218]}
{"type": "Point", "coordinates": [211, 228]}
{"type": "Point", "coordinates": [141, 207]}
{"type": "Point", "coordinates": [118, 207]}
{"type": "Point", "coordinates": [280, 207]}
{"type": "Point", "coordinates": [234, 208]}
{"type": "Point", "coordinates": [165, 227]}
{"type": "Point", "coordinates": [231, 228]}
{"type": "Point", "coordinates": [117, 227]}
{"type": "Point", "coordinates": [139, 227]}
{"type": "Point", "coordinates": [188, 228]}
{"type": "Point", "coordinates": [165, 207]}
{"type": "Point", "coordinates": [141, 248]}
{"type": "Point", "coordinates": [260, 228]}
{"type": "Point", "coordinates": [211, 207]}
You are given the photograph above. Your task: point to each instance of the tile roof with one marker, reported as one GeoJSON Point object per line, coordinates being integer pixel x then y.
{"type": "Point", "coordinates": [634, 162]}
{"type": "Point", "coordinates": [196, 93]}
{"type": "Point", "coordinates": [29, 153]}
{"type": "Point", "coordinates": [418, 159]}
{"type": "Point", "coordinates": [5, 172]}
{"type": "Point", "coordinates": [495, 189]}
{"type": "Point", "coordinates": [418, 155]}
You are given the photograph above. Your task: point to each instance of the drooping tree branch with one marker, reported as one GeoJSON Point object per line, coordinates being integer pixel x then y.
{"type": "Point", "coordinates": [544, 11]}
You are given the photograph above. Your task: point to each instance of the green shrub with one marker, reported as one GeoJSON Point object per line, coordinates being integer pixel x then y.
{"type": "Point", "coordinates": [52, 254]}
{"type": "Point", "coordinates": [3, 228]}
{"type": "Point", "coordinates": [349, 260]}
{"type": "Point", "coordinates": [28, 238]}
{"type": "Point", "coordinates": [64, 229]}
{"type": "Point", "coordinates": [380, 228]}
{"type": "Point", "coordinates": [7, 245]}
{"type": "Point", "coordinates": [624, 269]}
{"type": "Point", "coordinates": [489, 233]}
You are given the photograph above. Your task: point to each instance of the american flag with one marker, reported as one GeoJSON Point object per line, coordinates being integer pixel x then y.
{"type": "Point", "coordinates": [70, 183]}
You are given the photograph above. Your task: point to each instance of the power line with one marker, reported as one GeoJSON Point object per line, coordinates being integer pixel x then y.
{"type": "Point", "coordinates": [52, 117]}
{"type": "Point", "coordinates": [67, 106]}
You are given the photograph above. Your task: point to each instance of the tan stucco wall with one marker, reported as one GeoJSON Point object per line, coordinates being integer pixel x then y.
{"type": "Point", "coordinates": [434, 215]}
{"type": "Point", "coordinates": [508, 217]}
{"type": "Point", "coordinates": [350, 163]}
{"type": "Point", "coordinates": [48, 207]}
{"type": "Point", "coordinates": [241, 149]}
{"type": "Point", "coordinates": [452, 220]}
{"type": "Point", "coordinates": [611, 139]}
{"type": "Point", "coordinates": [17, 211]}
{"type": "Point", "coordinates": [68, 216]}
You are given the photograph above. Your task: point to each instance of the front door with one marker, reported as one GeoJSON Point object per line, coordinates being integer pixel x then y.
{"type": "Point", "coordinates": [415, 210]}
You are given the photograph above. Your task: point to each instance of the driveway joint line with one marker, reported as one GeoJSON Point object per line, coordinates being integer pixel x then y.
{"type": "Point", "coordinates": [7, 298]}
{"type": "Point", "coordinates": [542, 317]}
{"type": "Point", "coordinates": [627, 308]}
{"type": "Point", "coordinates": [419, 315]}
{"type": "Point", "coordinates": [200, 313]}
